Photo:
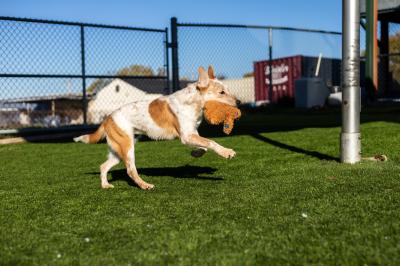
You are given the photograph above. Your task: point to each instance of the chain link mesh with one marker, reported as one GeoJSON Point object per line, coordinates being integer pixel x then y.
{"type": "Point", "coordinates": [235, 51]}
{"type": "Point", "coordinates": [232, 52]}
{"type": "Point", "coordinates": [42, 71]}
{"type": "Point", "coordinates": [393, 82]}
{"type": "Point", "coordinates": [388, 60]}
{"type": "Point", "coordinates": [109, 51]}
{"type": "Point", "coordinates": [39, 48]}
{"type": "Point", "coordinates": [309, 46]}
{"type": "Point", "coordinates": [43, 77]}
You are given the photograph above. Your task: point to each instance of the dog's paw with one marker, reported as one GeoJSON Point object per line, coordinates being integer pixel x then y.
{"type": "Point", "coordinates": [146, 186]}
{"type": "Point", "coordinates": [105, 186]}
{"type": "Point", "coordinates": [198, 153]}
{"type": "Point", "coordinates": [227, 153]}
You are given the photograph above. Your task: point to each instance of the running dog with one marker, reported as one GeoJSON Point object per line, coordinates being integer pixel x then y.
{"type": "Point", "coordinates": [174, 116]}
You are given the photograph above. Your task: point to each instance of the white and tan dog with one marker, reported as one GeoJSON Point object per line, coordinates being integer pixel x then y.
{"type": "Point", "coordinates": [174, 116]}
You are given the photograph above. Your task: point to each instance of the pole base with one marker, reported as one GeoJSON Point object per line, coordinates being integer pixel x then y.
{"type": "Point", "coordinates": [350, 147]}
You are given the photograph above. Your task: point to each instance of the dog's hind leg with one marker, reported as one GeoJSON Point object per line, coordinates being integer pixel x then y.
{"type": "Point", "coordinates": [121, 142]}
{"type": "Point", "coordinates": [129, 160]}
{"type": "Point", "coordinates": [105, 167]}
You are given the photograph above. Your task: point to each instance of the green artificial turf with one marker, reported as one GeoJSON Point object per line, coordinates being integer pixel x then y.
{"type": "Point", "coordinates": [284, 199]}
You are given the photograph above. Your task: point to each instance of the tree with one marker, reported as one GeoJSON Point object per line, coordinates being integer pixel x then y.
{"type": "Point", "coordinates": [248, 75]}
{"type": "Point", "coordinates": [185, 78]}
{"type": "Point", "coordinates": [136, 70]}
{"type": "Point", "coordinates": [394, 61]}
{"type": "Point", "coordinates": [97, 85]}
{"type": "Point", "coordinates": [133, 70]}
{"type": "Point", "coordinates": [161, 72]}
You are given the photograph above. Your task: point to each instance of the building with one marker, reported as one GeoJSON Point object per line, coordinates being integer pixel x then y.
{"type": "Point", "coordinates": [242, 88]}
{"type": "Point", "coordinates": [48, 111]}
{"type": "Point", "coordinates": [120, 92]}
{"type": "Point", "coordinates": [286, 70]}
{"type": "Point", "coordinates": [67, 109]}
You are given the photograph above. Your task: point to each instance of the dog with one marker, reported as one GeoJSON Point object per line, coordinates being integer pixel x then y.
{"type": "Point", "coordinates": [177, 115]}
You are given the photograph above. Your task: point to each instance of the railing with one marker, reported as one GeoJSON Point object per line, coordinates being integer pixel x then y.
{"type": "Point", "coordinates": [56, 74]}
{"type": "Point", "coordinates": [234, 50]}
{"type": "Point", "coordinates": [74, 63]}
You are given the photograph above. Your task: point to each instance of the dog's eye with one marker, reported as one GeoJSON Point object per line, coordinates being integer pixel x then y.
{"type": "Point", "coordinates": [222, 92]}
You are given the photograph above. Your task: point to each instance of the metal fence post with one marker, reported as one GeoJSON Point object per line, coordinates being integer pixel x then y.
{"type": "Point", "coordinates": [166, 65]}
{"type": "Point", "coordinates": [350, 143]}
{"type": "Point", "coordinates": [174, 54]}
{"type": "Point", "coordinates": [371, 76]}
{"type": "Point", "coordinates": [270, 95]}
{"type": "Point", "coordinates": [384, 76]}
{"type": "Point", "coordinates": [84, 100]}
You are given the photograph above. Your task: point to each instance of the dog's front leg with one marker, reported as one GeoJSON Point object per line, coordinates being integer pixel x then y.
{"type": "Point", "coordinates": [196, 140]}
{"type": "Point", "coordinates": [197, 153]}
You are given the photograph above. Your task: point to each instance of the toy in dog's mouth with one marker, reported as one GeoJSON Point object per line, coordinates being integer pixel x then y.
{"type": "Point", "coordinates": [216, 113]}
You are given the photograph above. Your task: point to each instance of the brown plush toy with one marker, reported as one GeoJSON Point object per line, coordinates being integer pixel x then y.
{"type": "Point", "coordinates": [217, 113]}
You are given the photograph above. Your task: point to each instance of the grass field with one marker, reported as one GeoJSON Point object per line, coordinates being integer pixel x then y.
{"type": "Point", "coordinates": [284, 199]}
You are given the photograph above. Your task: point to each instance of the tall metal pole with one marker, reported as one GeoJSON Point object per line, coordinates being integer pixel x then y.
{"type": "Point", "coordinates": [174, 54]}
{"type": "Point", "coordinates": [350, 139]}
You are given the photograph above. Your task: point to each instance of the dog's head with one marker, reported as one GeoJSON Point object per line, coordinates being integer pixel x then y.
{"type": "Point", "coordinates": [213, 89]}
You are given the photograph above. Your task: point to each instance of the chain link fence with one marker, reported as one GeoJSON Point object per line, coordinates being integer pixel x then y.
{"type": "Point", "coordinates": [243, 57]}
{"type": "Point", "coordinates": [61, 74]}
{"type": "Point", "coordinates": [231, 50]}
{"type": "Point", "coordinates": [390, 80]}
{"type": "Point", "coordinates": [388, 59]}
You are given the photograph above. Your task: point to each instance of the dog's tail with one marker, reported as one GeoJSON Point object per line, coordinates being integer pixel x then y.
{"type": "Point", "coordinates": [92, 138]}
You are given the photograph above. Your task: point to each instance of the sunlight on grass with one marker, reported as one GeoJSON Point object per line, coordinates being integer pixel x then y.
{"type": "Point", "coordinates": [284, 199]}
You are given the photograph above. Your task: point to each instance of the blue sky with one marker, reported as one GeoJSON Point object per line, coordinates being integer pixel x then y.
{"type": "Point", "coordinates": [318, 14]}
{"type": "Point", "coordinates": [43, 49]}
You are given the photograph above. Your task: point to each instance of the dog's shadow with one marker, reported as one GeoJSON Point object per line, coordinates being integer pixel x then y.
{"type": "Point", "coordinates": [187, 171]}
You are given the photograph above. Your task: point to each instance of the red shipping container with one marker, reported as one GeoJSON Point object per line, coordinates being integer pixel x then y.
{"type": "Point", "coordinates": [284, 73]}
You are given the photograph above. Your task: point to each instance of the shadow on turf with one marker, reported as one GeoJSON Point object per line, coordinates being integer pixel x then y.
{"type": "Point", "coordinates": [253, 121]}
{"type": "Point", "coordinates": [187, 171]}
{"type": "Point", "coordinates": [281, 145]}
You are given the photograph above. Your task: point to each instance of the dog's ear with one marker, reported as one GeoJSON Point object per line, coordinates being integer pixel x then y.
{"type": "Point", "coordinates": [203, 81]}
{"type": "Point", "coordinates": [211, 74]}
